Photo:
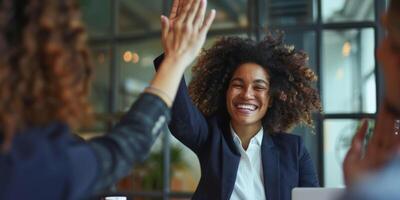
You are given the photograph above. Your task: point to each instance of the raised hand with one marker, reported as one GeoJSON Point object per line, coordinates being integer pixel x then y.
{"type": "Point", "coordinates": [353, 165]}
{"type": "Point", "coordinates": [382, 147]}
{"type": "Point", "coordinates": [184, 33]}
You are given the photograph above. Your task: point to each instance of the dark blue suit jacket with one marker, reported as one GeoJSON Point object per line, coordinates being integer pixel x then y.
{"type": "Point", "coordinates": [285, 161]}
{"type": "Point", "coordinates": [49, 163]}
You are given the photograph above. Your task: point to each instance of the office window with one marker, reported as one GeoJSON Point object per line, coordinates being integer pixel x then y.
{"type": "Point", "coordinates": [347, 10]}
{"type": "Point", "coordinates": [97, 16]}
{"type": "Point", "coordinates": [138, 17]}
{"type": "Point", "coordinates": [348, 67]}
{"type": "Point", "coordinates": [289, 12]}
{"type": "Point", "coordinates": [337, 141]}
{"type": "Point", "coordinates": [135, 63]}
{"type": "Point", "coordinates": [230, 14]}
{"type": "Point", "coordinates": [101, 81]}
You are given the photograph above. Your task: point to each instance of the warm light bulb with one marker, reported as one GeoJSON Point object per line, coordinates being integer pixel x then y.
{"type": "Point", "coordinates": [135, 58]}
{"type": "Point", "coordinates": [346, 49]}
{"type": "Point", "coordinates": [127, 56]}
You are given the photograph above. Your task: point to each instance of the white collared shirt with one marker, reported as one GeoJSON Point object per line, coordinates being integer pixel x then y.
{"type": "Point", "coordinates": [249, 182]}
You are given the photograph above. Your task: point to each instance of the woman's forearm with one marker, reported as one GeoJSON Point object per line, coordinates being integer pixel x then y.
{"type": "Point", "coordinates": [129, 142]}
{"type": "Point", "coordinates": [166, 81]}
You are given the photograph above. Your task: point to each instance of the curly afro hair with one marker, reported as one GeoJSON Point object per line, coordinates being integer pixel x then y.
{"type": "Point", "coordinates": [45, 67]}
{"type": "Point", "coordinates": [293, 97]}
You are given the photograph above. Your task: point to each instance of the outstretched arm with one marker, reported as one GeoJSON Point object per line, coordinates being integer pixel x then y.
{"type": "Point", "coordinates": [131, 139]}
{"type": "Point", "coordinates": [188, 124]}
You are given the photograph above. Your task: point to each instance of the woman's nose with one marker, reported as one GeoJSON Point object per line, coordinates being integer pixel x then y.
{"type": "Point", "coordinates": [248, 93]}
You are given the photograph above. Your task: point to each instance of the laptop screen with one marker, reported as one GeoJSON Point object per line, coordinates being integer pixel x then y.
{"type": "Point", "coordinates": [317, 193]}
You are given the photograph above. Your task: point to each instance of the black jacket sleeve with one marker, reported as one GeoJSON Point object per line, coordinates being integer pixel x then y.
{"type": "Point", "coordinates": [130, 140]}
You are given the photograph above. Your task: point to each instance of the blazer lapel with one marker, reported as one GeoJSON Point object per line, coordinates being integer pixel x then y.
{"type": "Point", "coordinates": [270, 164]}
{"type": "Point", "coordinates": [230, 162]}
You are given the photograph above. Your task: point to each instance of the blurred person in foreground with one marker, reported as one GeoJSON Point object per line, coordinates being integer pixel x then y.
{"type": "Point", "coordinates": [374, 173]}
{"type": "Point", "coordinates": [45, 73]}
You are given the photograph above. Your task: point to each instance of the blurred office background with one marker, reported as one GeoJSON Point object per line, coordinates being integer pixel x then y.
{"type": "Point", "coordinates": [340, 37]}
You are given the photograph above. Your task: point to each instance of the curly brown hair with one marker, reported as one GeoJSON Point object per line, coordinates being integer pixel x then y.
{"type": "Point", "coordinates": [293, 97]}
{"type": "Point", "coordinates": [45, 68]}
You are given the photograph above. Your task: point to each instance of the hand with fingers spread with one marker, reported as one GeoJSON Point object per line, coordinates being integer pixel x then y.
{"type": "Point", "coordinates": [184, 33]}
{"type": "Point", "coordinates": [382, 147]}
{"type": "Point", "coordinates": [354, 165]}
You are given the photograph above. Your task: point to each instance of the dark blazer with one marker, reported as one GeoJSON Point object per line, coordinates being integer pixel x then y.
{"type": "Point", "coordinates": [285, 161]}
{"type": "Point", "coordinates": [49, 163]}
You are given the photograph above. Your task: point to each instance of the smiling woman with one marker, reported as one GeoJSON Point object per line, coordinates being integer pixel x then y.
{"type": "Point", "coordinates": [243, 97]}
{"type": "Point", "coordinates": [293, 98]}
{"type": "Point", "coordinates": [247, 99]}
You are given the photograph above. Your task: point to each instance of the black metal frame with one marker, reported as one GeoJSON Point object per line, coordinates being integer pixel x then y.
{"type": "Point", "coordinates": [255, 30]}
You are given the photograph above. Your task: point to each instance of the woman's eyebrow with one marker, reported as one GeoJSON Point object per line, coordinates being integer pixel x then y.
{"type": "Point", "coordinates": [261, 81]}
{"type": "Point", "coordinates": [237, 79]}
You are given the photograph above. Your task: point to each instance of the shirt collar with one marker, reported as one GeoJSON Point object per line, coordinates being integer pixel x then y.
{"type": "Point", "coordinates": [257, 139]}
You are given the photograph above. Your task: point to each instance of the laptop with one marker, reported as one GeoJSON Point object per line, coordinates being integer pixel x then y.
{"type": "Point", "coordinates": [317, 193]}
